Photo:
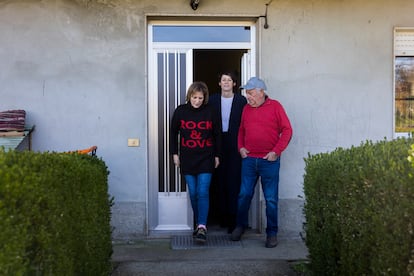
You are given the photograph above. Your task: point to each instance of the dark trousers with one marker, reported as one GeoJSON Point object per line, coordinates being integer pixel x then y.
{"type": "Point", "coordinates": [228, 176]}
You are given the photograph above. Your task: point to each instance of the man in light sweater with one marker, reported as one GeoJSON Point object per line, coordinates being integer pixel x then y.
{"type": "Point", "coordinates": [264, 133]}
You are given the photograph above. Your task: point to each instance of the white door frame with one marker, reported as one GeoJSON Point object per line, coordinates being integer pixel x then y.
{"type": "Point", "coordinates": [165, 212]}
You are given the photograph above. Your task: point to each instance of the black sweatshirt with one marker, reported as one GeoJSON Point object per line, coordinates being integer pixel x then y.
{"type": "Point", "coordinates": [195, 133]}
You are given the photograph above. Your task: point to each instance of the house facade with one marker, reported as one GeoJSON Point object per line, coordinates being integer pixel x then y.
{"type": "Point", "coordinates": [110, 73]}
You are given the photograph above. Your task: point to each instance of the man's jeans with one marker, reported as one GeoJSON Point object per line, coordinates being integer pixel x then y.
{"type": "Point", "coordinates": [268, 171]}
{"type": "Point", "coordinates": [198, 187]}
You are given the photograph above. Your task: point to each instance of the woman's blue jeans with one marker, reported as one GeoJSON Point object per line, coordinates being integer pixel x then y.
{"type": "Point", "coordinates": [268, 171]}
{"type": "Point", "coordinates": [199, 187]}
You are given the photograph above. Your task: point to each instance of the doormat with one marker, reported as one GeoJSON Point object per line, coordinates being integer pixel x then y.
{"type": "Point", "coordinates": [213, 241]}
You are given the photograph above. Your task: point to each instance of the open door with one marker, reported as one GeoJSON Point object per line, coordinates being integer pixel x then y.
{"type": "Point", "coordinates": [255, 213]}
{"type": "Point", "coordinates": [245, 68]}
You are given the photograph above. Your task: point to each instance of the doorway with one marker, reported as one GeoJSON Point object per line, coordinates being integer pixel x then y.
{"type": "Point", "coordinates": [178, 54]}
{"type": "Point", "coordinates": [208, 63]}
{"type": "Point", "coordinates": [207, 66]}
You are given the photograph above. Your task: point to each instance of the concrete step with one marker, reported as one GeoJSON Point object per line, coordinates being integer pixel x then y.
{"type": "Point", "coordinates": [156, 257]}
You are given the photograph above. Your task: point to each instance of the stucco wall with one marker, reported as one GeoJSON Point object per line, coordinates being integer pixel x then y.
{"type": "Point", "coordinates": [78, 69]}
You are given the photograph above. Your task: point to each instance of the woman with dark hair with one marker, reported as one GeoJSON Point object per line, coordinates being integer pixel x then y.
{"type": "Point", "coordinates": [229, 106]}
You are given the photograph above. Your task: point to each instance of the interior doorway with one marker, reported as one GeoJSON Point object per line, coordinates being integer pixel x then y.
{"type": "Point", "coordinates": [207, 66]}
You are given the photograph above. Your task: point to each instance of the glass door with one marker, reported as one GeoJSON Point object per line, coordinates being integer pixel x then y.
{"type": "Point", "coordinates": [171, 68]}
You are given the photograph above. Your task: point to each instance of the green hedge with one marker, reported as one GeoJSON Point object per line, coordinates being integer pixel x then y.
{"type": "Point", "coordinates": [54, 214]}
{"type": "Point", "coordinates": [359, 210]}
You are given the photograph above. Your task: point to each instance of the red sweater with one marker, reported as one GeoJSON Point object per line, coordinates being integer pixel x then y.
{"type": "Point", "coordinates": [264, 129]}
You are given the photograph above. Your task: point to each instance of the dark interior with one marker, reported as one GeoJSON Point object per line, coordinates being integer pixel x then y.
{"type": "Point", "coordinates": [208, 64]}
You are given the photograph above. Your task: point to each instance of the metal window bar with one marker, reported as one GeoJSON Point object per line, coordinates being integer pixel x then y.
{"type": "Point", "coordinates": [176, 91]}
{"type": "Point", "coordinates": [177, 102]}
{"type": "Point", "coordinates": [166, 170]}
{"type": "Point", "coordinates": [172, 65]}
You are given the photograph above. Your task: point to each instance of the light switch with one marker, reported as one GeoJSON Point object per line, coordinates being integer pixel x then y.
{"type": "Point", "coordinates": [133, 142]}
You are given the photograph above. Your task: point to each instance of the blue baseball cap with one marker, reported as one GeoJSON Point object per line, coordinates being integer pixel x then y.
{"type": "Point", "coordinates": [254, 83]}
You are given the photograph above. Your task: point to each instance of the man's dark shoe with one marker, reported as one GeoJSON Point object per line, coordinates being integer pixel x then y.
{"type": "Point", "coordinates": [201, 236]}
{"type": "Point", "coordinates": [271, 241]}
{"type": "Point", "coordinates": [237, 233]}
{"type": "Point", "coordinates": [230, 229]}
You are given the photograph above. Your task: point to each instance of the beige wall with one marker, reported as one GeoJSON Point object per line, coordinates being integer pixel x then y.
{"type": "Point", "coordinates": [79, 70]}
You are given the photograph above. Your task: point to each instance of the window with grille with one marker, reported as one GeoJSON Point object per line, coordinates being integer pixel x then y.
{"type": "Point", "coordinates": [404, 79]}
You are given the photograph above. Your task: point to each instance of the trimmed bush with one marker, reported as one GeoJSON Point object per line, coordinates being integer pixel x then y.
{"type": "Point", "coordinates": [359, 210]}
{"type": "Point", "coordinates": [54, 214]}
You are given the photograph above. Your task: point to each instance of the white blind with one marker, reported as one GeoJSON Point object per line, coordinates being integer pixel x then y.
{"type": "Point", "coordinates": [404, 42]}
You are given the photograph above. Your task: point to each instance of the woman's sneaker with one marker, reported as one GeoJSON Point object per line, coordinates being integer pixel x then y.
{"type": "Point", "coordinates": [201, 235]}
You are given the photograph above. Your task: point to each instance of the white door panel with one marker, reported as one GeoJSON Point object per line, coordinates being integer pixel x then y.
{"type": "Point", "coordinates": [172, 67]}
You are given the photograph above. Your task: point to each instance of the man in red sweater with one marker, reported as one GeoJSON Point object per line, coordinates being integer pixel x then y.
{"type": "Point", "coordinates": [264, 133]}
